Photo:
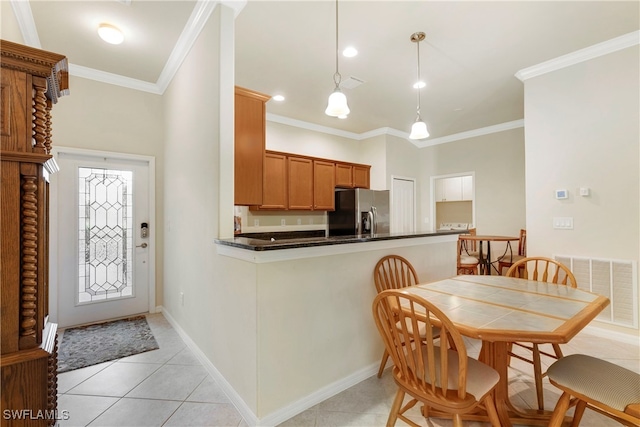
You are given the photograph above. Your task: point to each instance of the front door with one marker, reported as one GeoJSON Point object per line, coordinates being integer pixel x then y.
{"type": "Point", "coordinates": [102, 237]}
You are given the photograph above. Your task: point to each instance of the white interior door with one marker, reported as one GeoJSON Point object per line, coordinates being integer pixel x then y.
{"type": "Point", "coordinates": [100, 206]}
{"type": "Point", "coordinates": [403, 213]}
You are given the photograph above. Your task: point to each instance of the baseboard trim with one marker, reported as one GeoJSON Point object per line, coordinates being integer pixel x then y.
{"type": "Point", "coordinates": [286, 412]}
{"type": "Point", "coordinates": [247, 414]}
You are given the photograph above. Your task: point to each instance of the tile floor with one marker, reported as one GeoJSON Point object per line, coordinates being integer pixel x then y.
{"type": "Point", "coordinates": [169, 387]}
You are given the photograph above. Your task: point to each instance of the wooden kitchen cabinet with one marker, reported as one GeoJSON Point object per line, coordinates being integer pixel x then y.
{"type": "Point", "coordinates": [249, 146]}
{"type": "Point", "coordinates": [344, 175]}
{"type": "Point", "coordinates": [323, 185]}
{"type": "Point", "coordinates": [274, 187]}
{"type": "Point", "coordinates": [361, 176]}
{"type": "Point", "coordinates": [32, 80]}
{"type": "Point", "coordinates": [300, 183]}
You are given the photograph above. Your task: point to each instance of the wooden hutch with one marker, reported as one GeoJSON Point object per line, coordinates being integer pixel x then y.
{"type": "Point", "coordinates": [32, 81]}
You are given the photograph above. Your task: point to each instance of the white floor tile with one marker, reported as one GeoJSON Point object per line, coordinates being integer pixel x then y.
{"type": "Point", "coordinates": [137, 412]}
{"type": "Point", "coordinates": [78, 411]}
{"type": "Point", "coordinates": [205, 415]}
{"type": "Point", "coordinates": [116, 380]}
{"type": "Point", "coordinates": [208, 391]}
{"type": "Point", "coordinates": [171, 382]}
{"type": "Point", "coordinates": [70, 379]}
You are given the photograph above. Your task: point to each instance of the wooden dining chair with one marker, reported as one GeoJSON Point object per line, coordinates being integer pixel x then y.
{"type": "Point", "coordinates": [593, 383]}
{"type": "Point", "coordinates": [540, 269]}
{"type": "Point", "coordinates": [393, 272]}
{"type": "Point", "coordinates": [418, 370]}
{"type": "Point", "coordinates": [506, 261]}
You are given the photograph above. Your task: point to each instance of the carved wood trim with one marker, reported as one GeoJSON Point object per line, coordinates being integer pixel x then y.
{"type": "Point", "coordinates": [39, 123]}
{"type": "Point", "coordinates": [52, 381]}
{"type": "Point", "coordinates": [29, 261]}
{"type": "Point", "coordinates": [51, 66]}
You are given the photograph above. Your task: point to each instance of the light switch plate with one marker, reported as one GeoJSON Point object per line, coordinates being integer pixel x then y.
{"type": "Point", "coordinates": [563, 223]}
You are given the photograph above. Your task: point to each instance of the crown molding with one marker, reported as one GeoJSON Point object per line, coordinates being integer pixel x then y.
{"type": "Point", "coordinates": [395, 132]}
{"type": "Point", "coordinates": [113, 79]}
{"type": "Point", "coordinates": [22, 12]}
{"type": "Point", "coordinates": [581, 55]}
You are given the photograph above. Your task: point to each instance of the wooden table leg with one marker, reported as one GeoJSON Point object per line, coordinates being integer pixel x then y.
{"type": "Point", "coordinates": [494, 354]}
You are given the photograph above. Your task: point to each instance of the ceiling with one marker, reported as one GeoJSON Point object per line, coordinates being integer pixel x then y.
{"type": "Point", "coordinates": [469, 58]}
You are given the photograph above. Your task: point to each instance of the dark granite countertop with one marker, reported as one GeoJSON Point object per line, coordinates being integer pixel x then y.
{"type": "Point", "coordinates": [275, 241]}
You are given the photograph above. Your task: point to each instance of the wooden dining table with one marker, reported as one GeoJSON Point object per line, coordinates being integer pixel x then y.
{"type": "Point", "coordinates": [485, 261]}
{"type": "Point", "coordinates": [500, 310]}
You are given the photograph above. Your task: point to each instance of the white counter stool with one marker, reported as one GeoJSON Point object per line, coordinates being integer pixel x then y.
{"type": "Point", "coordinates": [595, 384]}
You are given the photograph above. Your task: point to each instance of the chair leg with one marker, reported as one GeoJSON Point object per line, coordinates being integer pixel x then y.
{"type": "Point", "coordinates": [558, 351]}
{"type": "Point", "coordinates": [383, 363]}
{"type": "Point", "coordinates": [457, 420]}
{"type": "Point", "coordinates": [492, 412]}
{"type": "Point", "coordinates": [577, 414]}
{"type": "Point", "coordinates": [393, 414]}
{"type": "Point", "coordinates": [561, 408]}
{"type": "Point", "coordinates": [537, 375]}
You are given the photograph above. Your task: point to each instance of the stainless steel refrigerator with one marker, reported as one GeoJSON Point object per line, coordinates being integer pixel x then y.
{"type": "Point", "coordinates": [359, 212]}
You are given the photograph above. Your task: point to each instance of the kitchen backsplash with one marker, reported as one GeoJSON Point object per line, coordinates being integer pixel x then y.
{"type": "Point", "coordinates": [263, 221]}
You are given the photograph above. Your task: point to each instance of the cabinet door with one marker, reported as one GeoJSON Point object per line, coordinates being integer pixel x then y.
{"type": "Point", "coordinates": [453, 189]}
{"type": "Point", "coordinates": [323, 185]}
{"type": "Point", "coordinates": [361, 176]}
{"type": "Point", "coordinates": [344, 175]}
{"type": "Point", "coordinates": [249, 146]}
{"type": "Point", "coordinates": [300, 183]}
{"type": "Point", "coordinates": [467, 187]}
{"type": "Point", "coordinates": [274, 186]}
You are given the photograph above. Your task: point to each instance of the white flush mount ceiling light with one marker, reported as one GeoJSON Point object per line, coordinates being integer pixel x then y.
{"type": "Point", "coordinates": [337, 105]}
{"type": "Point", "coordinates": [419, 128]}
{"type": "Point", "coordinates": [110, 33]}
{"type": "Point", "coordinates": [350, 52]}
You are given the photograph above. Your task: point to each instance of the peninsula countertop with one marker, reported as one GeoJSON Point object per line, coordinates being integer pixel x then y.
{"type": "Point", "coordinates": [272, 241]}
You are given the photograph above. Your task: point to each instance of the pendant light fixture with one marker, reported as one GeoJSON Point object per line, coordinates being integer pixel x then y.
{"type": "Point", "coordinates": [337, 105]}
{"type": "Point", "coordinates": [419, 127]}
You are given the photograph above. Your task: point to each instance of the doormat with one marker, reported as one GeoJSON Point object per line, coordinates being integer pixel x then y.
{"type": "Point", "coordinates": [89, 345]}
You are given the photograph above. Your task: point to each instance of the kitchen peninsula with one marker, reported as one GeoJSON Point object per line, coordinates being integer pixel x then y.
{"type": "Point", "coordinates": [303, 308]}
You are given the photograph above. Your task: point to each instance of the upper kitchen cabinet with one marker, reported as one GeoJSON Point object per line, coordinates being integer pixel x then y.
{"type": "Point", "coordinates": [323, 185]}
{"type": "Point", "coordinates": [274, 190]}
{"type": "Point", "coordinates": [300, 183]}
{"type": "Point", "coordinates": [350, 175]}
{"type": "Point", "coordinates": [361, 176]}
{"type": "Point", "coordinates": [250, 125]}
{"type": "Point", "coordinates": [454, 189]}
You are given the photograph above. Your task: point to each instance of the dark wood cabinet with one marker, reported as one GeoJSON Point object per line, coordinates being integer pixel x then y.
{"type": "Point", "coordinates": [249, 146]}
{"type": "Point", "coordinates": [32, 80]}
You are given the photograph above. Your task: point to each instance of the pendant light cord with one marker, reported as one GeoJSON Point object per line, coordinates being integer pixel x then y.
{"type": "Point", "coordinates": [418, 82]}
{"type": "Point", "coordinates": [337, 77]}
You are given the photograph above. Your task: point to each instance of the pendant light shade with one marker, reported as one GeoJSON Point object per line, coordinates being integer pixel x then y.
{"type": "Point", "coordinates": [337, 104]}
{"type": "Point", "coordinates": [419, 127]}
{"type": "Point", "coordinates": [419, 130]}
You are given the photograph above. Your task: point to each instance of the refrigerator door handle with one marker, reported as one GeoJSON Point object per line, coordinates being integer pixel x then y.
{"type": "Point", "coordinates": [374, 220]}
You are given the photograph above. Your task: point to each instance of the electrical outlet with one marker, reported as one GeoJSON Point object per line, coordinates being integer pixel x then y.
{"type": "Point", "coordinates": [299, 221]}
{"type": "Point", "coordinates": [282, 222]}
{"type": "Point", "coordinates": [256, 223]}
{"type": "Point", "coordinates": [181, 298]}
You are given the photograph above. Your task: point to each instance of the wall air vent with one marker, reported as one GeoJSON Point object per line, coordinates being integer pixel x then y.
{"type": "Point", "coordinates": [351, 82]}
{"type": "Point", "coordinates": [614, 279]}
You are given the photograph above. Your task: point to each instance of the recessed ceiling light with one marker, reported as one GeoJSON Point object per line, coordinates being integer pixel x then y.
{"type": "Point", "coordinates": [278, 98]}
{"type": "Point", "coordinates": [350, 52]}
{"type": "Point", "coordinates": [110, 33]}
{"type": "Point", "coordinates": [419, 85]}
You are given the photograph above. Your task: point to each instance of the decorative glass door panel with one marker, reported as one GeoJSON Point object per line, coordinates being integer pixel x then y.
{"type": "Point", "coordinates": [105, 234]}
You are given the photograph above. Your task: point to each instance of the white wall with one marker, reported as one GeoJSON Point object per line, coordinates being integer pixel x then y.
{"type": "Point", "coordinates": [582, 130]}
{"type": "Point", "coordinates": [197, 142]}
{"type": "Point", "coordinates": [498, 162]}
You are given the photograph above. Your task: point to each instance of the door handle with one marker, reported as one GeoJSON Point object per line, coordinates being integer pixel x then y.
{"type": "Point", "coordinates": [144, 245]}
